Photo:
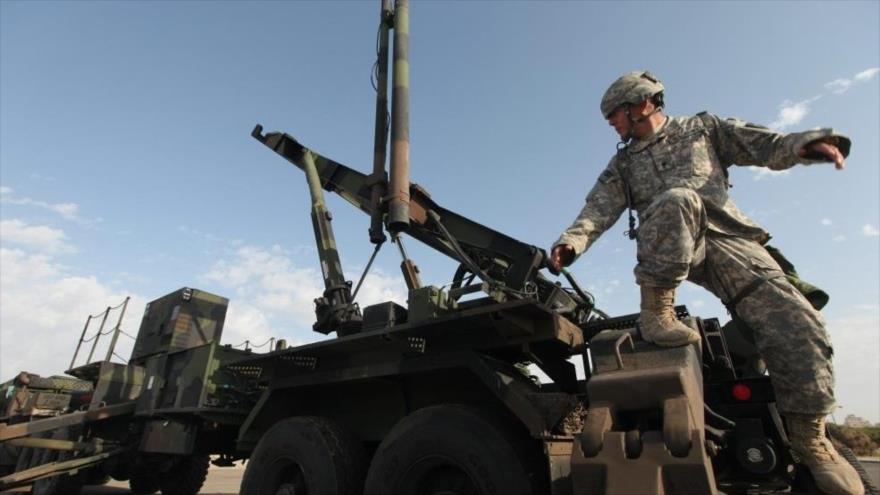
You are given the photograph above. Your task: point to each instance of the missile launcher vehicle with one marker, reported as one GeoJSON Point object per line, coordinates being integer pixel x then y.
{"type": "Point", "coordinates": [433, 397]}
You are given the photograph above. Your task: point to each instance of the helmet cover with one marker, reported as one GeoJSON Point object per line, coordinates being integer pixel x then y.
{"type": "Point", "coordinates": [632, 88]}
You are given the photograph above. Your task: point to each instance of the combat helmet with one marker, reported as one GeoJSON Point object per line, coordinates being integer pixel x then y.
{"type": "Point", "coordinates": [632, 88]}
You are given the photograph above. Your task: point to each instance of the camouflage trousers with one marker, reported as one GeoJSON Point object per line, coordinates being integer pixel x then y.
{"type": "Point", "coordinates": [675, 244]}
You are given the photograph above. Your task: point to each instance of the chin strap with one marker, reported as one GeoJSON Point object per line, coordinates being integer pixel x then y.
{"type": "Point", "coordinates": [633, 122]}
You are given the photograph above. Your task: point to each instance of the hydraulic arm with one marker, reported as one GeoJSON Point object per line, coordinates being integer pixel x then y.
{"type": "Point", "coordinates": [506, 265]}
{"type": "Point", "coordinates": [505, 259]}
{"type": "Point", "coordinates": [335, 311]}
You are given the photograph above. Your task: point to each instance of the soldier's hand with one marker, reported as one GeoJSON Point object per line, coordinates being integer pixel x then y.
{"type": "Point", "coordinates": [828, 150]}
{"type": "Point", "coordinates": [561, 256]}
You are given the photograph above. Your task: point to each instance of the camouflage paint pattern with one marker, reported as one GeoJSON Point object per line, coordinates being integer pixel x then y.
{"type": "Point", "coordinates": [632, 88]}
{"type": "Point", "coordinates": [183, 319]}
{"type": "Point", "coordinates": [117, 383]}
{"type": "Point", "coordinates": [789, 333]}
{"type": "Point", "coordinates": [398, 188]}
{"type": "Point", "coordinates": [190, 379]}
{"type": "Point", "coordinates": [692, 153]}
{"type": "Point", "coordinates": [691, 229]}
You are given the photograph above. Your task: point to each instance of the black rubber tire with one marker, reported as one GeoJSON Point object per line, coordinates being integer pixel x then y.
{"type": "Point", "coordinates": [142, 482]}
{"type": "Point", "coordinates": [449, 448]}
{"type": "Point", "coordinates": [312, 455]}
{"type": "Point", "coordinates": [186, 477]}
{"type": "Point", "coordinates": [63, 484]}
{"type": "Point", "coordinates": [8, 458]}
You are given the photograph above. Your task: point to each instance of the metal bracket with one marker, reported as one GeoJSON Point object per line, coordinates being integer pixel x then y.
{"type": "Point", "coordinates": [617, 344]}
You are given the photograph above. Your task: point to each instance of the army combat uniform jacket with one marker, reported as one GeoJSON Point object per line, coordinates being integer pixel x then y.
{"type": "Point", "coordinates": [693, 153]}
{"type": "Point", "coordinates": [690, 230]}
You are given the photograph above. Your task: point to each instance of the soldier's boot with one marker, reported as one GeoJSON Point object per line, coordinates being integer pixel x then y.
{"type": "Point", "coordinates": [658, 322]}
{"type": "Point", "coordinates": [832, 473]}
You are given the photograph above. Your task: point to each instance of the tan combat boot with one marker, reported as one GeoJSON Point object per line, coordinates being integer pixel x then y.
{"type": "Point", "coordinates": [658, 322]}
{"type": "Point", "coordinates": [833, 474]}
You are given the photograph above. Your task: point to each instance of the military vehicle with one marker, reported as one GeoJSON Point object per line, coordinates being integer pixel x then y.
{"type": "Point", "coordinates": [153, 420]}
{"type": "Point", "coordinates": [429, 398]}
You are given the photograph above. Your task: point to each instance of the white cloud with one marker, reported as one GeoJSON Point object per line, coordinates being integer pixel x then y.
{"type": "Point", "coordinates": [866, 74]}
{"type": "Point", "coordinates": [67, 210]}
{"type": "Point", "coordinates": [40, 237]}
{"type": "Point", "coordinates": [870, 231]}
{"type": "Point", "coordinates": [791, 113]}
{"type": "Point", "coordinates": [838, 86]}
{"type": "Point", "coordinates": [839, 238]}
{"type": "Point", "coordinates": [273, 291]}
{"type": "Point", "coordinates": [842, 85]}
{"type": "Point", "coordinates": [762, 173]}
{"type": "Point", "coordinates": [43, 311]}
{"type": "Point", "coordinates": [825, 221]}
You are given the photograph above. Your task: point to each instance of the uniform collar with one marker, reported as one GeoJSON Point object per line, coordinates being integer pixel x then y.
{"type": "Point", "coordinates": [638, 145]}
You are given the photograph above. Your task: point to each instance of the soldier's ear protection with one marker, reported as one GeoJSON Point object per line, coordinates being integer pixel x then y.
{"type": "Point", "coordinates": [656, 99]}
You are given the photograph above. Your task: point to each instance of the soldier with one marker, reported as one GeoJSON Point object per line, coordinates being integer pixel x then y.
{"type": "Point", "coordinates": [673, 172]}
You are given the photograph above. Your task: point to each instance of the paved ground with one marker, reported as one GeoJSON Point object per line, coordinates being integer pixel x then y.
{"type": "Point", "coordinates": [225, 481]}
{"type": "Point", "coordinates": [873, 468]}
{"type": "Point", "coordinates": [221, 481]}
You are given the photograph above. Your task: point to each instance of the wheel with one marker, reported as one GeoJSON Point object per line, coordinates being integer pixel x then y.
{"type": "Point", "coordinates": [63, 484]}
{"type": "Point", "coordinates": [8, 458]}
{"type": "Point", "coordinates": [449, 449]}
{"type": "Point", "coordinates": [142, 482]}
{"type": "Point", "coordinates": [305, 455]}
{"type": "Point", "coordinates": [186, 476]}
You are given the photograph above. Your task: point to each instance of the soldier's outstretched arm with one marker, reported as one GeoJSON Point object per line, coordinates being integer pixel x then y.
{"type": "Point", "coordinates": [820, 149]}
{"type": "Point", "coordinates": [602, 207]}
{"type": "Point", "coordinates": [741, 143]}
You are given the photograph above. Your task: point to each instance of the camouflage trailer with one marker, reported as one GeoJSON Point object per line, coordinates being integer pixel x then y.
{"type": "Point", "coordinates": [152, 421]}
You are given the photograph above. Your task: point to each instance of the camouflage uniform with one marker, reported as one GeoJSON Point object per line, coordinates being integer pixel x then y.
{"type": "Point", "coordinates": [676, 179]}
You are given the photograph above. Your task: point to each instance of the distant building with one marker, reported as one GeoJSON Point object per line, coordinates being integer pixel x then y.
{"type": "Point", "coordinates": [854, 421]}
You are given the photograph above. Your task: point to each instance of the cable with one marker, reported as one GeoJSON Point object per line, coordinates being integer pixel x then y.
{"type": "Point", "coordinates": [271, 339]}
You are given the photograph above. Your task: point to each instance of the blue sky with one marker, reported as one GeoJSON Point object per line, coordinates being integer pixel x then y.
{"type": "Point", "coordinates": [127, 167]}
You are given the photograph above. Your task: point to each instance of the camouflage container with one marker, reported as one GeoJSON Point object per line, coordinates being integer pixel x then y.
{"type": "Point", "coordinates": [188, 380]}
{"type": "Point", "coordinates": [184, 319]}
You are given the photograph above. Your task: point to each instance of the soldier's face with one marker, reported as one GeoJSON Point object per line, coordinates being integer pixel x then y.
{"type": "Point", "coordinates": [619, 121]}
